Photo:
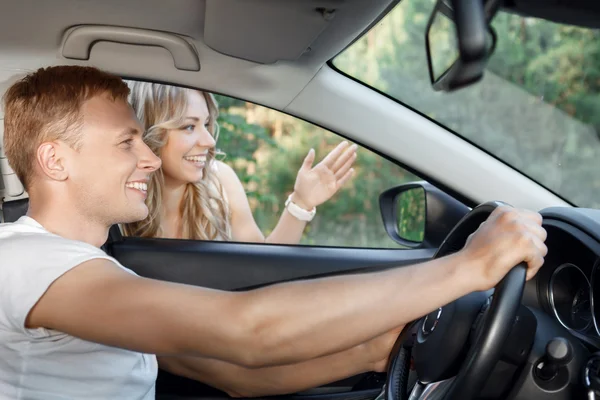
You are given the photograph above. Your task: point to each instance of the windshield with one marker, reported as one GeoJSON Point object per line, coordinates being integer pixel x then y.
{"type": "Point", "coordinates": [537, 107]}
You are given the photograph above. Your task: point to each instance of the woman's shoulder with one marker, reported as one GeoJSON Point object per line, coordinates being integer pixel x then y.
{"type": "Point", "coordinates": [224, 172]}
{"type": "Point", "coordinates": [233, 190]}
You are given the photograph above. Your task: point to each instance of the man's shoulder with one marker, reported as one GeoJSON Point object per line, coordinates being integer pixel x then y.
{"type": "Point", "coordinates": [24, 225]}
{"type": "Point", "coordinates": [26, 245]}
{"type": "Point", "coordinates": [30, 235]}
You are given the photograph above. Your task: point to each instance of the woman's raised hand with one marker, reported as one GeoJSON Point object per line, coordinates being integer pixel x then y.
{"type": "Point", "coordinates": [315, 185]}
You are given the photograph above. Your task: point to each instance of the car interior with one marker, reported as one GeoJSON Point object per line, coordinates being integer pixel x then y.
{"type": "Point", "coordinates": [536, 340]}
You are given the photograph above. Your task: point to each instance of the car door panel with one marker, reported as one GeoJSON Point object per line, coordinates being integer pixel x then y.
{"type": "Point", "coordinates": [243, 266]}
{"type": "Point", "coordinates": [361, 387]}
{"type": "Point", "coordinates": [238, 266]}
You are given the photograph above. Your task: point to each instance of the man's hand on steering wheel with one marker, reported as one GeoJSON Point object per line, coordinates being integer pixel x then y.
{"type": "Point", "coordinates": [508, 237]}
{"type": "Point", "coordinates": [501, 253]}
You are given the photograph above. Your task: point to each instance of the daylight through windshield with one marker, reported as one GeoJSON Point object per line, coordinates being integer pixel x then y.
{"type": "Point", "coordinates": [536, 107]}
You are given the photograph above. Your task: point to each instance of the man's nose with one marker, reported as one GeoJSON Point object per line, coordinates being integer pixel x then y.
{"type": "Point", "coordinates": [148, 160]}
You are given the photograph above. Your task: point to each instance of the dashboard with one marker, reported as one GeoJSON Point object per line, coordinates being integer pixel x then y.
{"type": "Point", "coordinates": [568, 285]}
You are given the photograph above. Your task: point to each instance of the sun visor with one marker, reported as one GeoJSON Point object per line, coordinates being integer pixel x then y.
{"type": "Point", "coordinates": [266, 31]}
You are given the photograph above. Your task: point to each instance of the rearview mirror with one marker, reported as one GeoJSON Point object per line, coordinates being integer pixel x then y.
{"type": "Point", "coordinates": [459, 42]}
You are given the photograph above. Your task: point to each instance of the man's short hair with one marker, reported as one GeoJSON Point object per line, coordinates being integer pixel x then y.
{"type": "Point", "coordinates": [46, 106]}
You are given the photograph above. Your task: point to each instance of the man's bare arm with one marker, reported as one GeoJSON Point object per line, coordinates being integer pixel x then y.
{"type": "Point", "coordinates": [239, 381]}
{"type": "Point", "coordinates": [281, 324]}
{"type": "Point", "coordinates": [254, 382]}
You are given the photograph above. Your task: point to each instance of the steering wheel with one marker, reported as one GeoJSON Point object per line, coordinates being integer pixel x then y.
{"type": "Point", "coordinates": [466, 335]}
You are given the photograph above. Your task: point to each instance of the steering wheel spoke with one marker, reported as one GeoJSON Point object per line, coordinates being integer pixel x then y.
{"type": "Point", "coordinates": [431, 391]}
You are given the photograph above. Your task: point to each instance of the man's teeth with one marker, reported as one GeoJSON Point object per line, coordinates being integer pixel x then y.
{"type": "Point", "coordinates": [196, 158]}
{"type": "Point", "coordinates": [138, 185]}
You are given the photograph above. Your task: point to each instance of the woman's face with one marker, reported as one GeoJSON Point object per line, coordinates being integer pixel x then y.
{"type": "Point", "coordinates": [184, 154]}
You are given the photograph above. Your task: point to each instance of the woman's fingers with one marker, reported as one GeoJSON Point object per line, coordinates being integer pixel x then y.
{"type": "Point", "coordinates": [332, 157]}
{"type": "Point", "coordinates": [308, 160]}
{"type": "Point", "coordinates": [349, 154]}
{"type": "Point", "coordinates": [344, 168]}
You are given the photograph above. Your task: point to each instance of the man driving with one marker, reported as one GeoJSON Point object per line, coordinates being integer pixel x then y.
{"type": "Point", "coordinates": [75, 323]}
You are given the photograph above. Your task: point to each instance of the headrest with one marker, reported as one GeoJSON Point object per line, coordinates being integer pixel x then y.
{"type": "Point", "coordinates": [15, 209]}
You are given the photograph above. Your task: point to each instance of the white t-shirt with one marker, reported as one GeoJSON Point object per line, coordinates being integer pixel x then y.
{"type": "Point", "coordinates": [45, 364]}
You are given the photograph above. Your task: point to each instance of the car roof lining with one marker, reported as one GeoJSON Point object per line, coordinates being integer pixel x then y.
{"type": "Point", "coordinates": [250, 64]}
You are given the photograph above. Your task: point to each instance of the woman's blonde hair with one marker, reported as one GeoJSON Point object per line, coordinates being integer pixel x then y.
{"type": "Point", "coordinates": [204, 211]}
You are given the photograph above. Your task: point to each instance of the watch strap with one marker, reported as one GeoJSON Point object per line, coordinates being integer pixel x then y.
{"type": "Point", "coordinates": [299, 212]}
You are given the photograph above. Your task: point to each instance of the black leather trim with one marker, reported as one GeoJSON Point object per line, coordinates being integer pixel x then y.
{"type": "Point", "coordinates": [235, 266]}
{"type": "Point", "coordinates": [14, 209]}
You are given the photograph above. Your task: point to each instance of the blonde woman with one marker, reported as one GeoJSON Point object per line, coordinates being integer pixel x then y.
{"type": "Point", "coordinates": [194, 196]}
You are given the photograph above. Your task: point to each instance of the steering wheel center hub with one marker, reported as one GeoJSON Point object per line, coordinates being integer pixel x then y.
{"type": "Point", "coordinates": [443, 338]}
{"type": "Point", "coordinates": [430, 322]}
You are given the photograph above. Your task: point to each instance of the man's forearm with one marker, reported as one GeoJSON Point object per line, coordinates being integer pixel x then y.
{"type": "Point", "coordinates": [298, 321]}
{"type": "Point", "coordinates": [285, 323]}
{"type": "Point", "coordinates": [239, 381]}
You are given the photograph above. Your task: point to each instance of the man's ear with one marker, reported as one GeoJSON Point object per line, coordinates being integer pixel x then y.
{"type": "Point", "coordinates": [51, 162]}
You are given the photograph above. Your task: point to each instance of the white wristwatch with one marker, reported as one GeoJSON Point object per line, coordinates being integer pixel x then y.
{"type": "Point", "coordinates": [299, 212]}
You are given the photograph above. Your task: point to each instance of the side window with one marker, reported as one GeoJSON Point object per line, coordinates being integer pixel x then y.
{"type": "Point", "coordinates": [266, 148]}
{"type": "Point", "coordinates": [229, 167]}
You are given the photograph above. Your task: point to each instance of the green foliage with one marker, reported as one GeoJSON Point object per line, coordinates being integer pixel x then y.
{"type": "Point", "coordinates": [411, 214]}
{"type": "Point", "coordinates": [239, 140]}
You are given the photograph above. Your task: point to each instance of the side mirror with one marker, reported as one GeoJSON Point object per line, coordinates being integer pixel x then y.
{"type": "Point", "coordinates": [459, 42]}
{"type": "Point", "coordinates": [419, 215]}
